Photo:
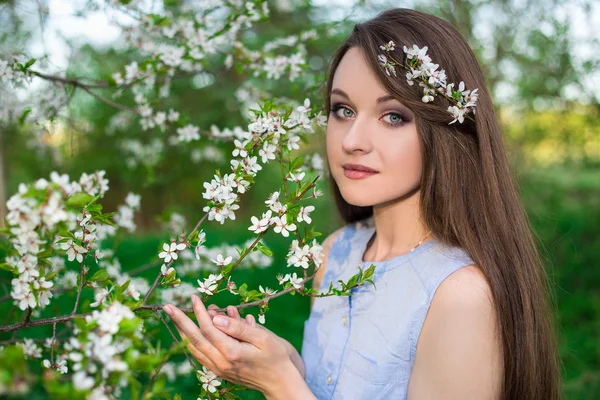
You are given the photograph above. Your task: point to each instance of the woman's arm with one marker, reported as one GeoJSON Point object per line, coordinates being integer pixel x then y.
{"type": "Point", "coordinates": [459, 352]}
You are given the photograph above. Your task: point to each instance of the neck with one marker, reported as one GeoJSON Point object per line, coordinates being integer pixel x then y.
{"type": "Point", "coordinates": [398, 228]}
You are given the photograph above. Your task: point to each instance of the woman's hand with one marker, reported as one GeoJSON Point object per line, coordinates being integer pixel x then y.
{"type": "Point", "coordinates": [250, 320]}
{"type": "Point", "coordinates": [240, 352]}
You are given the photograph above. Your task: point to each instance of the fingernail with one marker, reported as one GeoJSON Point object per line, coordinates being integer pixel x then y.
{"type": "Point", "coordinates": [168, 310]}
{"type": "Point", "coordinates": [194, 299]}
{"type": "Point", "coordinates": [221, 321]}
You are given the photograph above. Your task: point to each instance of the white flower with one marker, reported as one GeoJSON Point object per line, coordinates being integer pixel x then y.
{"type": "Point", "coordinates": [173, 115]}
{"type": "Point", "coordinates": [30, 349]}
{"type": "Point", "coordinates": [199, 247]}
{"type": "Point", "coordinates": [164, 271]}
{"type": "Point", "coordinates": [170, 251]}
{"type": "Point", "coordinates": [304, 108]}
{"type": "Point", "coordinates": [207, 286]}
{"type": "Point", "coordinates": [188, 133]}
{"type": "Point", "coordinates": [303, 214]}
{"type": "Point", "coordinates": [220, 261]}
{"type": "Point", "coordinates": [133, 200]}
{"type": "Point", "coordinates": [240, 148]}
{"type": "Point", "coordinates": [292, 143]}
{"type": "Point", "coordinates": [283, 279]}
{"type": "Point", "coordinates": [316, 253]}
{"type": "Point", "coordinates": [274, 204]}
{"type": "Point", "coordinates": [281, 226]}
{"type": "Point", "coordinates": [298, 256]}
{"type": "Point", "coordinates": [296, 178]}
{"type": "Point", "coordinates": [74, 251]}
{"type": "Point", "coordinates": [296, 281]}
{"type": "Point", "coordinates": [231, 286]}
{"type": "Point", "coordinates": [457, 113]}
{"type": "Point", "coordinates": [82, 381]}
{"type": "Point", "coordinates": [100, 297]}
{"type": "Point", "coordinates": [209, 380]}
{"type": "Point", "coordinates": [261, 225]}
{"type": "Point", "coordinates": [261, 318]}
{"type": "Point", "coordinates": [267, 152]}
{"type": "Point", "coordinates": [389, 46]}
{"type": "Point", "coordinates": [267, 291]}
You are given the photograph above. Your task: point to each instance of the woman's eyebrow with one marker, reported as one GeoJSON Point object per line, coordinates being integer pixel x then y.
{"type": "Point", "coordinates": [382, 99]}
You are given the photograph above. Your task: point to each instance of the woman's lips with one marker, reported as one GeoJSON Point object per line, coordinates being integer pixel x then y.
{"type": "Point", "coordinates": [358, 171]}
{"type": "Point", "coordinates": [356, 174]}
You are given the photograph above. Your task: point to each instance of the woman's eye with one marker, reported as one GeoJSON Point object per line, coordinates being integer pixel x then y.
{"type": "Point", "coordinates": [345, 112]}
{"type": "Point", "coordinates": [394, 119]}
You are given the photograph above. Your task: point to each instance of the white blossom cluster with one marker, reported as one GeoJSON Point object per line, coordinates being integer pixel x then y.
{"type": "Point", "coordinates": [28, 217]}
{"type": "Point", "coordinates": [207, 153]}
{"type": "Point", "coordinates": [301, 256]}
{"type": "Point", "coordinates": [423, 71]}
{"type": "Point", "coordinates": [10, 73]}
{"type": "Point", "coordinates": [137, 285]}
{"type": "Point", "coordinates": [265, 134]}
{"type": "Point", "coordinates": [125, 213]}
{"type": "Point", "coordinates": [30, 348]}
{"type": "Point", "coordinates": [101, 351]}
{"type": "Point", "coordinates": [193, 262]}
{"type": "Point", "coordinates": [171, 370]}
{"type": "Point", "coordinates": [178, 45]}
{"type": "Point", "coordinates": [142, 154]}
{"type": "Point", "coordinates": [31, 220]}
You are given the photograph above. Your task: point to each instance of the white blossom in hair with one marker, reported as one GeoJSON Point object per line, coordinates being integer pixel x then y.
{"type": "Point", "coordinates": [433, 81]}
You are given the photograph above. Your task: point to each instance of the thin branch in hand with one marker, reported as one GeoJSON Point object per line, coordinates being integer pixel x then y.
{"type": "Point", "coordinates": [174, 337]}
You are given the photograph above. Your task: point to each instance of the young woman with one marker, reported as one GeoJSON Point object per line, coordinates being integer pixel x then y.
{"type": "Point", "coordinates": [460, 307]}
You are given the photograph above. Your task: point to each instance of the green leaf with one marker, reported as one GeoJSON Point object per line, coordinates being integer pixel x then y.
{"type": "Point", "coordinates": [243, 290]}
{"type": "Point", "coordinates": [100, 276]}
{"type": "Point", "coordinates": [30, 63]}
{"type": "Point", "coordinates": [145, 314]}
{"type": "Point", "coordinates": [352, 281]}
{"type": "Point", "coordinates": [264, 249]}
{"type": "Point", "coordinates": [79, 199]}
{"type": "Point", "coordinates": [45, 253]}
{"type": "Point", "coordinates": [7, 267]}
{"type": "Point", "coordinates": [297, 163]}
{"type": "Point", "coordinates": [23, 115]}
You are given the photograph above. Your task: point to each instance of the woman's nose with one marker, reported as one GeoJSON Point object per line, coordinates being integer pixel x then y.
{"type": "Point", "coordinates": [357, 138]}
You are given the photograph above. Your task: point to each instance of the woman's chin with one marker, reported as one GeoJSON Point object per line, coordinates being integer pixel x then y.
{"type": "Point", "coordinates": [358, 199]}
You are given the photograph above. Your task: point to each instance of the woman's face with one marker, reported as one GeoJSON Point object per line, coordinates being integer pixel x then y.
{"type": "Point", "coordinates": [367, 126]}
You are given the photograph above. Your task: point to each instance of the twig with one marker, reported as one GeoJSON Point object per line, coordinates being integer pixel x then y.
{"type": "Point", "coordinates": [40, 322]}
{"type": "Point", "coordinates": [52, 345]}
{"type": "Point", "coordinates": [155, 374]}
{"type": "Point", "coordinates": [174, 338]}
{"type": "Point", "coordinates": [147, 296]}
{"type": "Point", "coordinates": [143, 268]}
{"type": "Point", "coordinates": [81, 274]}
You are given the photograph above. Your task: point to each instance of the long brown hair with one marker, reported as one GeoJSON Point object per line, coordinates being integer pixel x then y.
{"type": "Point", "coordinates": [467, 194]}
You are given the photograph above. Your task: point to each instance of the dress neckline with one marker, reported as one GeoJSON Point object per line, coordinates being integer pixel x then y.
{"type": "Point", "coordinates": [368, 233]}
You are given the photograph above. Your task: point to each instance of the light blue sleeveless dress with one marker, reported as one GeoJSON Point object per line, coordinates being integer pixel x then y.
{"type": "Point", "coordinates": [363, 346]}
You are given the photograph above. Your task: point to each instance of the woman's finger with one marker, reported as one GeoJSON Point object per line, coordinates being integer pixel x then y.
{"type": "Point", "coordinates": [186, 327]}
{"type": "Point", "coordinates": [233, 312]}
{"type": "Point", "coordinates": [221, 341]}
{"type": "Point", "coordinates": [211, 312]}
{"type": "Point", "coordinates": [250, 320]}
